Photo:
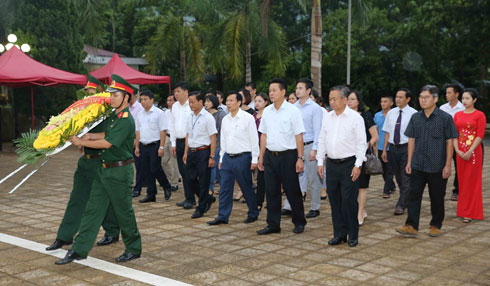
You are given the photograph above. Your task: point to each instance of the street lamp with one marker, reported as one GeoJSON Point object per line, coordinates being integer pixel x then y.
{"type": "Point", "coordinates": [12, 38]}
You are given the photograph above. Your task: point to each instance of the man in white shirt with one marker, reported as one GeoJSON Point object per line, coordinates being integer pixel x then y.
{"type": "Point", "coordinates": [221, 98]}
{"type": "Point", "coordinates": [453, 105]}
{"type": "Point", "coordinates": [312, 115]}
{"type": "Point", "coordinates": [343, 140]}
{"type": "Point", "coordinates": [250, 86]}
{"type": "Point", "coordinates": [396, 123]}
{"type": "Point", "coordinates": [181, 112]}
{"type": "Point", "coordinates": [135, 108]}
{"type": "Point", "coordinates": [200, 148]}
{"type": "Point", "coordinates": [239, 151]}
{"type": "Point", "coordinates": [282, 158]}
{"type": "Point", "coordinates": [151, 134]}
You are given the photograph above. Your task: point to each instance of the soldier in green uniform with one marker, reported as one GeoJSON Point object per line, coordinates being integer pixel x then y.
{"type": "Point", "coordinates": [82, 182]}
{"type": "Point", "coordinates": [112, 184]}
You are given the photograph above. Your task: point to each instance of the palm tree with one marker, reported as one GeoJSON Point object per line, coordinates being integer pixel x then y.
{"type": "Point", "coordinates": [362, 10]}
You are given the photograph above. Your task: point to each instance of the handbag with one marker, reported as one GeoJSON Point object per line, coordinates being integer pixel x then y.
{"type": "Point", "coordinates": [373, 164]}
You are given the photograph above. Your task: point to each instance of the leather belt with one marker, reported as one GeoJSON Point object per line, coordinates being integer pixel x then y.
{"type": "Point", "coordinates": [238, 154]}
{"type": "Point", "coordinates": [180, 139]}
{"type": "Point", "coordinates": [149, 144]}
{"type": "Point", "coordinates": [280, 153]}
{"type": "Point", "coordinates": [307, 143]}
{"type": "Point", "coordinates": [199, 148]}
{"type": "Point", "coordinates": [339, 161]}
{"type": "Point", "coordinates": [398, 145]}
{"type": "Point", "coordinates": [118, 163]}
{"type": "Point", "coordinates": [92, 156]}
{"type": "Point", "coordinates": [168, 134]}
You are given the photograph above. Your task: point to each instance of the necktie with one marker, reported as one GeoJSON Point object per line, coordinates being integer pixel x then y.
{"type": "Point", "coordinates": [396, 138]}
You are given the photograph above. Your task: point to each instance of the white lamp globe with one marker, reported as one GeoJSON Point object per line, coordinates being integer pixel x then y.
{"type": "Point", "coordinates": [2, 48]}
{"type": "Point", "coordinates": [9, 46]}
{"type": "Point", "coordinates": [25, 48]}
{"type": "Point", "coordinates": [12, 38]}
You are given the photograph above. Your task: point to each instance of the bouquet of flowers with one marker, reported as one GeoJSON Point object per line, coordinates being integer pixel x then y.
{"type": "Point", "coordinates": [78, 118]}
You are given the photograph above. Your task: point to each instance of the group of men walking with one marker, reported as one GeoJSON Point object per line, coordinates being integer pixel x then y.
{"type": "Point", "coordinates": [298, 143]}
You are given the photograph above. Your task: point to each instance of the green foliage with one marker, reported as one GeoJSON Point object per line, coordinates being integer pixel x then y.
{"type": "Point", "coordinates": [25, 150]}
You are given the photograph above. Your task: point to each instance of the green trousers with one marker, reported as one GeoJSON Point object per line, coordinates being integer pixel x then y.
{"type": "Point", "coordinates": [111, 186]}
{"type": "Point", "coordinates": [82, 183]}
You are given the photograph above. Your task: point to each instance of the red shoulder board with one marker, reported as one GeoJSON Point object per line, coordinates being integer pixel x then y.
{"type": "Point", "coordinates": [120, 114]}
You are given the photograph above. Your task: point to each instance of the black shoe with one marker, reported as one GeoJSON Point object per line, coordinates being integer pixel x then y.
{"type": "Point", "coordinates": [148, 200]}
{"type": "Point", "coordinates": [127, 256]}
{"type": "Point", "coordinates": [304, 197]}
{"type": "Point", "coordinates": [312, 214]}
{"type": "Point", "coordinates": [299, 229]}
{"type": "Point", "coordinates": [135, 194]}
{"type": "Point", "coordinates": [268, 230]}
{"type": "Point", "coordinates": [168, 193]}
{"type": "Point", "coordinates": [175, 188]}
{"type": "Point", "coordinates": [454, 197]}
{"type": "Point", "coordinates": [212, 199]}
{"type": "Point", "coordinates": [323, 198]}
{"type": "Point", "coordinates": [337, 240]}
{"type": "Point", "coordinates": [58, 243]}
{"type": "Point", "coordinates": [286, 212]}
{"type": "Point", "coordinates": [197, 214]}
{"type": "Point", "coordinates": [70, 256]}
{"type": "Point", "coordinates": [181, 204]}
{"type": "Point", "coordinates": [106, 240]}
{"type": "Point", "coordinates": [249, 219]}
{"type": "Point", "coordinates": [217, 221]}
{"type": "Point", "coordinates": [398, 211]}
{"type": "Point", "coordinates": [188, 205]}
{"type": "Point", "coordinates": [353, 242]}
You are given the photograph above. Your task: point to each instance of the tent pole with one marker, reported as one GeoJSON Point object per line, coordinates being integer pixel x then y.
{"type": "Point", "coordinates": [169, 88]}
{"type": "Point", "coordinates": [32, 107]}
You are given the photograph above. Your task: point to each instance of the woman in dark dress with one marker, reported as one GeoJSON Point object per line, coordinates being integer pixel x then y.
{"type": "Point", "coordinates": [261, 102]}
{"type": "Point", "coordinates": [354, 101]}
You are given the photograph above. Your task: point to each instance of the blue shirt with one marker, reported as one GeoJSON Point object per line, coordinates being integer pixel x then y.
{"type": "Point", "coordinates": [379, 119]}
{"type": "Point", "coordinates": [312, 114]}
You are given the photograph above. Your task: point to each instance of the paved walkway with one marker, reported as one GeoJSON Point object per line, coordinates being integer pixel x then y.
{"type": "Point", "coordinates": [188, 250]}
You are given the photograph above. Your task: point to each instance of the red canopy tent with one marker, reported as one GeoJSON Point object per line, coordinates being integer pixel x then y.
{"type": "Point", "coordinates": [118, 66]}
{"type": "Point", "coordinates": [19, 70]}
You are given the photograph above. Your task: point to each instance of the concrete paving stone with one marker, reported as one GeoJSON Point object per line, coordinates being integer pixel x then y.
{"type": "Point", "coordinates": [433, 280]}
{"type": "Point", "coordinates": [325, 268]}
{"type": "Point", "coordinates": [128, 283]}
{"type": "Point", "coordinates": [285, 282]}
{"type": "Point", "coordinates": [10, 281]}
{"type": "Point", "coordinates": [233, 282]}
{"type": "Point", "coordinates": [356, 275]}
{"type": "Point", "coordinates": [254, 263]}
{"type": "Point", "coordinates": [33, 274]}
{"type": "Point", "coordinates": [386, 280]}
{"type": "Point", "coordinates": [307, 276]}
{"type": "Point", "coordinates": [346, 262]}
{"type": "Point", "coordinates": [299, 262]}
{"type": "Point", "coordinates": [373, 268]}
{"type": "Point", "coordinates": [206, 277]}
{"type": "Point", "coordinates": [337, 281]}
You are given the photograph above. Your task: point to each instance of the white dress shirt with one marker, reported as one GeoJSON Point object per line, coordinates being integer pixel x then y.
{"type": "Point", "coordinates": [168, 115]}
{"type": "Point", "coordinates": [238, 135]}
{"type": "Point", "coordinates": [150, 124]}
{"type": "Point", "coordinates": [342, 136]}
{"type": "Point", "coordinates": [135, 109]}
{"type": "Point", "coordinates": [281, 126]}
{"type": "Point", "coordinates": [252, 104]}
{"type": "Point", "coordinates": [200, 128]}
{"type": "Point", "coordinates": [390, 123]}
{"type": "Point", "coordinates": [178, 121]}
{"type": "Point", "coordinates": [452, 110]}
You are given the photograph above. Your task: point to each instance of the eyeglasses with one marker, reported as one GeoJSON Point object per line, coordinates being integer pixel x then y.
{"type": "Point", "coordinates": [425, 97]}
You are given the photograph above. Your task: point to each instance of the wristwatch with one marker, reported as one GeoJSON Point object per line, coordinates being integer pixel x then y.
{"type": "Point", "coordinates": [302, 158]}
{"type": "Point", "coordinates": [162, 148]}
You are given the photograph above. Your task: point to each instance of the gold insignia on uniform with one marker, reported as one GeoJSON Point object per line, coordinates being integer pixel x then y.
{"type": "Point", "coordinates": [125, 114]}
{"type": "Point", "coordinates": [113, 83]}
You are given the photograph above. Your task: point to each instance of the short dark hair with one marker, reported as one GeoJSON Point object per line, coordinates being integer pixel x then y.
{"type": "Point", "coordinates": [265, 97]}
{"type": "Point", "coordinates": [308, 83]}
{"type": "Point", "coordinates": [408, 93]}
{"type": "Point", "coordinates": [220, 93]}
{"type": "Point", "coordinates": [183, 85]}
{"type": "Point", "coordinates": [458, 88]}
{"type": "Point", "coordinates": [283, 85]}
{"type": "Point", "coordinates": [473, 92]}
{"type": "Point", "coordinates": [199, 96]}
{"type": "Point", "coordinates": [358, 95]}
{"type": "Point", "coordinates": [147, 92]}
{"type": "Point", "coordinates": [247, 98]}
{"type": "Point", "coordinates": [251, 84]}
{"type": "Point", "coordinates": [214, 100]}
{"type": "Point", "coordinates": [211, 91]}
{"type": "Point", "coordinates": [387, 96]}
{"type": "Point", "coordinates": [238, 96]}
{"type": "Point", "coordinates": [432, 89]}
{"type": "Point", "coordinates": [343, 89]}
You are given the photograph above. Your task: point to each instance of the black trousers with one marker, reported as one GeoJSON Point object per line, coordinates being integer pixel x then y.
{"type": "Point", "coordinates": [387, 175]}
{"type": "Point", "coordinates": [397, 159]}
{"type": "Point", "coordinates": [151, 167]}
{"type": "Point", "coordinates": [260, 188]}
{"type": "Point", "coordinates": [180, 149]}
{"type": "Point", "coordinates": [281, 170]}
{"type": "Point", "coordinates": [139, 174]}
{"type": "Point", "coordinates": [455, 182]}
{"type": "Point", "coordinates": [199, 175]}
{"type": "Point", "coordinates": [437, 191]}
{"type": "Point", "coordinates": [342, 194]}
